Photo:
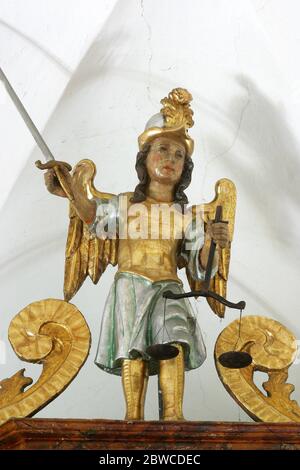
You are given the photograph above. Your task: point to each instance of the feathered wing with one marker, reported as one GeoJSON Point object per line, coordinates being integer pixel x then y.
{"type": "Point", "coordinates": [86, 255]}
{"type": "Point", "coordinates": [225, 197]}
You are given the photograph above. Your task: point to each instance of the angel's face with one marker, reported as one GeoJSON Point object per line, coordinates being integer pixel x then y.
{"type": "Point", "coordinates": [165, 160]}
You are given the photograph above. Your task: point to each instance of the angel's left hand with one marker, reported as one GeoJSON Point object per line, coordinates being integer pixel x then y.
{"type": "Point", "coordinates": [219, 232]}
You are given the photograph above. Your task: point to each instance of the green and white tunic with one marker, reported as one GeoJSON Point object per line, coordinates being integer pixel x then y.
{"type": "Point", "coordinates": [136, 315]}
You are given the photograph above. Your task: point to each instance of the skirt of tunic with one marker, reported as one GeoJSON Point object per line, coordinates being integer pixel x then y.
{"type": "Point", "coordinates": [136, 316]}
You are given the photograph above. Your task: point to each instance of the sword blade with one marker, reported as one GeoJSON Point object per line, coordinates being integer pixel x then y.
{"type": "Point", "coordinates": [27, 119]}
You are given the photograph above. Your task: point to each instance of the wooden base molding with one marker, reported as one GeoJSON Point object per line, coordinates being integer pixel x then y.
{"type": "Point", "coordinates": [101, 434]}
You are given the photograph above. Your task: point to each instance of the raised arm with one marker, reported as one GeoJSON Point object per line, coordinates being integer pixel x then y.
{"type": "Point", "coordinates": [85, 208]}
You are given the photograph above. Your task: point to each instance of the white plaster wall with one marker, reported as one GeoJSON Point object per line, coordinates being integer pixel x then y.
{"type": "Point", "coordinates": [41, 45]}
{"type": "Point", "coordinates": [109, 65]}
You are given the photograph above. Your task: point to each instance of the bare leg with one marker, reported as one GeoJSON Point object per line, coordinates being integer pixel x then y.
{"type": "Point", "coordinates": [134, 380]}
{"type": "Point", "coordinates": [171, 379]}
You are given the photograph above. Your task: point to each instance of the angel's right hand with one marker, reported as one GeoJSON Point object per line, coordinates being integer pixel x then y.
{"type": "Point", "coordinates": [52, 184]}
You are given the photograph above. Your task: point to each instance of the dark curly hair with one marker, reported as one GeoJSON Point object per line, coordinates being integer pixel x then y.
{"type": "Point", "coordinates": [140, 191]}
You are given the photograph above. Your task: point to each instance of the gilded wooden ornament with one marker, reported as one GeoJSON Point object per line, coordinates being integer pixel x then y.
{"type": "Point", "coordinates": [86, 254]}
{"type": "Point", "coordinates": [148, 257]}
{"type": "Point", "coordinates": [178, 118]}
{"type": "Point", "coordinates": [273, 349]}
{"type": "Point", "coordinates": [45, 331]}
{"type": "Point", "coordinates": [225, 196]}
{"type": "Point", "coordinates": [171, 379]}
{"type": "Point", "coordinates": [50, 332]}
{"type": "Point", "coordinates": [135, 377]}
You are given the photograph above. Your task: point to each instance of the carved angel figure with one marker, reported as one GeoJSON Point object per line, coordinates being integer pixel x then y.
{"type": "Point", "coordinates": [130, 230]}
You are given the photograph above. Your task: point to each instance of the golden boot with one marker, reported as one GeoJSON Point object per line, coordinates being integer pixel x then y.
{"type": "Point", "coordinates": [135, 380]}
{"type": "Point", "coordinates": [171, 380]}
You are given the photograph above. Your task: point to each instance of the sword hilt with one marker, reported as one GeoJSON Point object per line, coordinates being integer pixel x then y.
{"type": "Point", "coordinates": [212, 250]}
{"type": "Point", "coordinates": [57, 167]}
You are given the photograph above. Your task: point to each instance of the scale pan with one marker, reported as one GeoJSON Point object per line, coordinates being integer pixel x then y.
{"type": "Point", "coordinates": [160, 352]}
{"type": "Point", "coordinates": [235, 359]}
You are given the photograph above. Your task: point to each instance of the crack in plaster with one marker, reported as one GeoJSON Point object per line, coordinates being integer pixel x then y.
{"type": "Point", "coordinates": [236, 38]}
{"type": "Point", "coordinates": [149, 39]}
{"type": "Point", "coordinates": [236, 135]}
{"type": "Point", "coordinates": [262, 6]}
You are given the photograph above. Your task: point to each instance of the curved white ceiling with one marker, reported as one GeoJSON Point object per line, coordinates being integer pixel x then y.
{"type": "Point", "coordinates": [91, 73]}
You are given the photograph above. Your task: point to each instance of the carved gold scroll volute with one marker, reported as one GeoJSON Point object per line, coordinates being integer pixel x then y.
{"type": "Point", "coordinates": [55, 334]}
{"type": "Point", "coordinates": [273, 349]}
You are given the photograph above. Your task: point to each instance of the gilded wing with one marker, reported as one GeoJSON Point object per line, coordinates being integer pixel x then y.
{"type": "Point", "coordinates": [225, 197]}
{"type": "Point", "coordinates": [86, 255]}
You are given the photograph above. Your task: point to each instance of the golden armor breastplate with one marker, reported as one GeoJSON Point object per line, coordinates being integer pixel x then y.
{"type": "Point", "coordinates": [153, 237]}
